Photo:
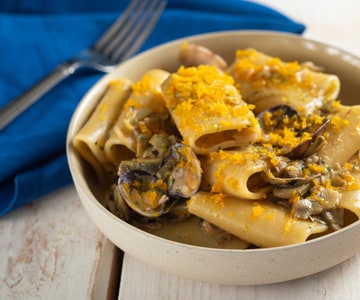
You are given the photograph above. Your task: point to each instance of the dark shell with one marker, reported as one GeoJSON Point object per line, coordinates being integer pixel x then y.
{"type": "Point", "coordinates": [309, 147]}
{"type": "Point", "coordinates": [135, 187]}
{"type": "Point", "coordinates": [303, 149]}
{"type": "Point", "coordinates": [194, 55]}
{"type": "Point", "coordinates": [151, 186]}
{"type": "Point", "coordinates": [182, 170]}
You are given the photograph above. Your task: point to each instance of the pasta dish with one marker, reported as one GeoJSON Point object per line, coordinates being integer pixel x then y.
{"type": "Point", "coordinates": [256, 153]}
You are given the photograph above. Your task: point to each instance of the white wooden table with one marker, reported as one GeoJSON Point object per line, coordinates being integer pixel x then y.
{"type": "Point", "coordinates": [50, 249]}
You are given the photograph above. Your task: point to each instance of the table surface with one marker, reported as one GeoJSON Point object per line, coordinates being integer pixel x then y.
{"type": "Point", "coordinates": [50, 249]}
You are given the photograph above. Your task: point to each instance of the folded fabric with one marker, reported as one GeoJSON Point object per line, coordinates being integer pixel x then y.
{"type": "Point", "coordinates": [37, 35]}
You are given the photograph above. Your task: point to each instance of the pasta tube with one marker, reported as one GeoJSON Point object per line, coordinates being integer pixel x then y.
{"type": "Point", "coordinates": [260, 223]}
{"type": "Point", "coordinates": [343, 135]}
{"type": "Point", "coordinates": [350, 198]}
{"type": "Point", "coordinates": [267, 81]}
{"type": "Point", "coordinates": [90, 140]}
{"type": "Point", "coordinates": [229, 172]}
{"type": "Point", "coordinates": [208, 110]}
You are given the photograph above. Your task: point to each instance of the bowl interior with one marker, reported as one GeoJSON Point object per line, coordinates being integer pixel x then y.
{"type": "Point", "coordinates": [179, 258]}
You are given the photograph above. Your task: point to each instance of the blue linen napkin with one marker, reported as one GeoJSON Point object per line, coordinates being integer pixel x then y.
{"type": "Point", "coordinates": [37, 35]}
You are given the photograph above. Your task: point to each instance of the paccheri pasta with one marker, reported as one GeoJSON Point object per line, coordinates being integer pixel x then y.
{"type": "Point", "coordinates": [260, 153]}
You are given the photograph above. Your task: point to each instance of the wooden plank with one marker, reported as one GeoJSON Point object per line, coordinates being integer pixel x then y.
{"type": "Point", "coordinates": [140, 280]}
{"type": "Point", "coordinates": [50, 249]}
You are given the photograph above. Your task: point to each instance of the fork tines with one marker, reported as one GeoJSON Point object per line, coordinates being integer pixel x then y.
{"type": "Point", "coordinates": [130, 30]}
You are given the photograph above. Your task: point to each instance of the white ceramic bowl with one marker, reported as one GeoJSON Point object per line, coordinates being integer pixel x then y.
{"type": "Point", "coordinates": [234, 267]}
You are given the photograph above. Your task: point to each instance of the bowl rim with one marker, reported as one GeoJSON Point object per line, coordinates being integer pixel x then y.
{"type": "Point", "coordinates": [80, 182]}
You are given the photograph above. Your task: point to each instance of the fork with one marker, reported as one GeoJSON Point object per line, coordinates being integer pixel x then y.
{"type": "Point", "coordinates": [118, 43]}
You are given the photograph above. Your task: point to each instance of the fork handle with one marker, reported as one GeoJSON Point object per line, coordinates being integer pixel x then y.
{"type": "Point", "coordinates": [16, 106]}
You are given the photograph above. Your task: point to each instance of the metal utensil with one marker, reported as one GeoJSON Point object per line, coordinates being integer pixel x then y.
{"type": "Point", "coordinates": [118, 43]}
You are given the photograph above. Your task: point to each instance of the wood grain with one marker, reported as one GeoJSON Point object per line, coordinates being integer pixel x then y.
{"type": "Point", "coordinates": [51, 250]}
{"type": "Point", "coordinates": [337, 283]}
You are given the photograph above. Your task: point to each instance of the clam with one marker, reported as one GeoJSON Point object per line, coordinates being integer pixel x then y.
{"type": "Point", "coordinates": [116, 204]}
{"type": "Point", "coordinates": [282, 117]}
{"type": "Point", "coordinates": [182, 170]}
{"type": "Point", "coordinates": [310, 206]}
{"type": "Point", "coordinates": [305, 208]}
{"type": "Point", "coordinates": [289, 174]}
{"type": "Point", "coordinates": [280, 111]}
{"type": "Point", "coordinates": [144, 193]}
{"type": "Point", "coordinates": [286, 172]}
{"type": "Point", "coordinates": [194, 55]}
{"type": "Point", "coordinates": [149, 165]}
{"type": "Point", "coordinates": [152, 186]}
{"type": "Point", "coordinates": [311, 197]}
{"type": "Point", "coordinates": [312, 145]}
